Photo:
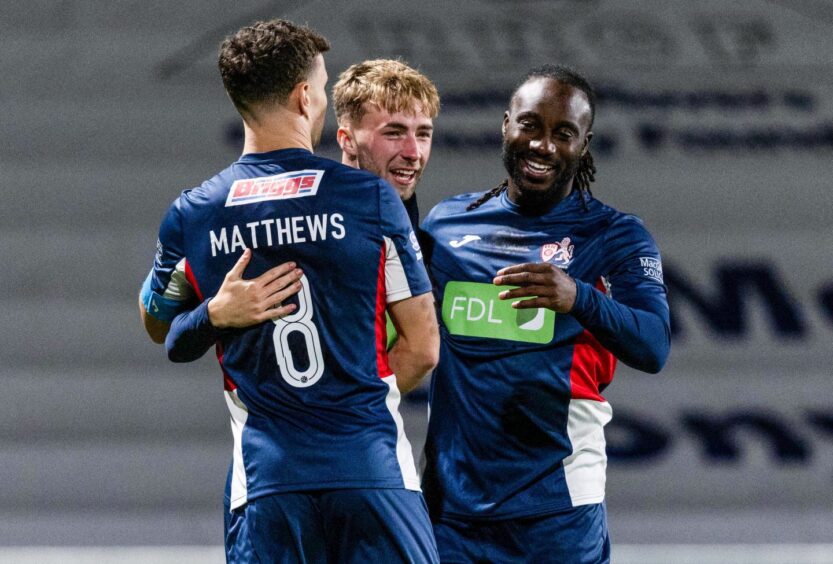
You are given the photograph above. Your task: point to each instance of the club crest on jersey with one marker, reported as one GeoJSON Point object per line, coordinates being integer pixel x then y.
{"type": "Point", "coordinates": [560, 254]}
{"type": "Point", "coordinates": [296, 184]}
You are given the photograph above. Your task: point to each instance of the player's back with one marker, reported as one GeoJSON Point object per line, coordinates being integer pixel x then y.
{"type": "Point", "coordinates": [312, 398]}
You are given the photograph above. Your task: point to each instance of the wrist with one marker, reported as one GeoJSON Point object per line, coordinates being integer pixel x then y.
{"type": "Point", "coordinates": [214, 316]}
{"type": "Point", "coordinates": [573, 295]}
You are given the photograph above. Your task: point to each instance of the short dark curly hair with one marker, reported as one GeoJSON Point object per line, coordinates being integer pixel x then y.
{"type": "Point", "coordinates": [262, 62]}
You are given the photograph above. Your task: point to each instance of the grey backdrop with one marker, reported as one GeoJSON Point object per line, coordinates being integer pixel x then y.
{"type": "Point", "coordinates": [714, 124]}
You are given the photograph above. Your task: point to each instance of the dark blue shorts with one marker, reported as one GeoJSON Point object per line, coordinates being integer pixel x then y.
{"type": "Point", "coordinates": [576, 536]}
{"type": "Point", "coordinates": [338, 526]}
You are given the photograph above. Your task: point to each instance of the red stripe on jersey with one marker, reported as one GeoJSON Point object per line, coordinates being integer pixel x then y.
{"type": "Point", "coordinates": [381, 321]}
{"type": "Point", "coordinates": [192, 280]}
{"type": "Point", "coordinates": [228, 383]}
{"type": "Point", "coordinates": [593, 366]}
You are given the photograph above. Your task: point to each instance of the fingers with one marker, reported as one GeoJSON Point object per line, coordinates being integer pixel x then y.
{"type": "Point", "coordinates": [531, 303]}
{"type": "Point", "coordinates": [288, 279]}
{"type": "Point", "coordinates": [278, 297]}
{"type": "Point", "coordinates": [241, 264]}
{"type": "Point", "coordinates": [526, 292]}
{"type": "Point", "coordinates": [527, 266]}
{"type": "Point", "coordinates": [278, 312]}
{"type": "Point", "coordinates": [528, 273]}
{"type": "Point", "coordinates": [521, 279]}
{"type": "Point", "coordinates": [274, 273]}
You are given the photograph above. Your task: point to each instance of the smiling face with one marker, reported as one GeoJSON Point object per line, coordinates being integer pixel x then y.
{"type": "Point", "coordinates": [545, 133]}
{"type": "Point", "coordinates": [394, 146]}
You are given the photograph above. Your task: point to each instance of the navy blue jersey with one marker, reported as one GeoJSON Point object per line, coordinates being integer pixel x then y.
{"type": "Point", "coordinates": [313, 402]}
{"type": "Point", "coordinates": [516, 411]}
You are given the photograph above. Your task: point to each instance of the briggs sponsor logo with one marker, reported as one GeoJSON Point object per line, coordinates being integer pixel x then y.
{"type": "Point", "coordinates": [284, 186]}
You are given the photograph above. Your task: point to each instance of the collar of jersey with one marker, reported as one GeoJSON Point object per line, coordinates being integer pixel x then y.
{"type": "Point", "coordinates": [566, 206]}
{"type": "Point", "coordinates": [272, 155]}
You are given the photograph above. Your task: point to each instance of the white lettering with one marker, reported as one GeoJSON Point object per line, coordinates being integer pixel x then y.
{"type": "Point", "coordinates": [455, 307]}
{"type": "Point", "coordinates": [237, 239]}
{"type": "Point", "coordinates": [219, 243]}
{"type": "Point", "coordinates": [282, 227]}
{"type": "Point", "coordinates": [297, 230]}
{"type": "Point", "coordinates": [267, 223]}
{"type": "Point", "coordinates": [317, 224]}
{"type": "Point", "coordinates": [491, 318]}
{"type": "Point", "coordinates": [469, 310]}
{"type": "Point", "coordinates": [288, 230]}
{"type": "Point", "coordinates": [336, 220]}
{"type": "Point", "coordinates": [252, 229]}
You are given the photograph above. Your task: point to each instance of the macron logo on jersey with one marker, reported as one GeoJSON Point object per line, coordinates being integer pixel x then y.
{"type": "Point", "coordinates": [296, 184]}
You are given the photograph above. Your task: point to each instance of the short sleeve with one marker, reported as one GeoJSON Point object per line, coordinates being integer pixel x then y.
{"type": "Point", "coordinates": [405, 274]}
{"type": "Point", "coordinates": [169, 292]}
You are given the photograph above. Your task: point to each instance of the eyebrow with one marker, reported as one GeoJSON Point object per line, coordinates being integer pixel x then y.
{"type": "Point", "coordinates": [402, 127]}
{"type": "Point", "coordinates": [530, 114]}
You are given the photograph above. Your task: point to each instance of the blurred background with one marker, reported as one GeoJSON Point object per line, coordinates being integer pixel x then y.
{"type": "Point", "coordinates": [714, 124]}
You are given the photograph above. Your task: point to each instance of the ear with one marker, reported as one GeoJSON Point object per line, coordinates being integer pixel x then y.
{"type": "Point", "coordinates": [505, 123]}
{"type": "Point", "coordinates": [302, 95]}
{"type": "Point", "coordinates": [587, 139]}
{"type": "Point", "coordinates": [346, 142]}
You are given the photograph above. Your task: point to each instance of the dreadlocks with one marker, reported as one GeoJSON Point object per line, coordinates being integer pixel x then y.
{"type": "Point", "coordinates": [586, 171]}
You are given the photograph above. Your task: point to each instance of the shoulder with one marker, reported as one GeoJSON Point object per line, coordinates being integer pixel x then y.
{"type": "Point", "coordinates": [618, 224]}
{"type": "Point", "coordinates": [338, 172]}
{"type": "Point", "coordinates": [452, 206]}
{"type": "Point", "coordinates": [212, 190]}
{"type": "Point", "coordinates": [626, 237]}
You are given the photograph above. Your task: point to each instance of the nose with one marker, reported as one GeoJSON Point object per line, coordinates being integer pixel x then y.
{"type": "Point", "coordinates": [542, 145]}
{"type": "Point", "coordinates": [410, 148]}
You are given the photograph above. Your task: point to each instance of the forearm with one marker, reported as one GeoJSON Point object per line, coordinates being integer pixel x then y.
{"type": "Point", "coordinates": [191, 335]}
{"type": "Point", "coordinates": [638, 337]}
{"type": "Point", "coordinates": [417, 349]}
{"type": "Point", "coordinates": [410, 364]}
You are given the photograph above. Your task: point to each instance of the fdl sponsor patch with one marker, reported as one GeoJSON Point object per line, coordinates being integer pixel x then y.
{"type": "Point", "coordinates": [473, 309]}
{"type": "Point", "coordinates": [296, 184]}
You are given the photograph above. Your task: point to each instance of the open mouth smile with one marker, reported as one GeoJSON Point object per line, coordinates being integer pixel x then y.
{"type": "Point", "coordinates": [403, 175]}
{"type": "Point", "coordinates": [537, 170]}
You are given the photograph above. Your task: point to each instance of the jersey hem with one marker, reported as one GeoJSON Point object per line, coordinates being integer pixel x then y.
{"type": "Point", "coordinates": [324, 485]}
{"type": "Point", "coordinates": [534, 512]}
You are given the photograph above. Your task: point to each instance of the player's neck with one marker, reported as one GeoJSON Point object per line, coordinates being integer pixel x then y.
{"type": "Point", "coordinates": [275, 133]}
{"type": "Point", "coordinates": [533, 202]}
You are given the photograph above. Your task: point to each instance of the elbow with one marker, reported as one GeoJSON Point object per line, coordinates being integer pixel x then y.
{"type": "Point", "coordinates": [429, 362]}
{"type": "Point", "coordinates": [176, 353]}
{"type": "Point", "coordinates": [425, 362]}
{"type": "Point", "coordinates": [655, 347]}
{"type": "Point", "coordinates": [654, 365]}
{"type": "Point", "coordinates": [174, 356]}
{"type": "Point", "coordinates": [180, 354]}
{"type": "Point", "coordinates": [431, 355]}
{"type": "Point", "coordinates": [656, 356]}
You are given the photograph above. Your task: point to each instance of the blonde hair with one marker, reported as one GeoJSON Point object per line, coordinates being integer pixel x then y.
{"type": "Point", "coordinates": [389, 84]}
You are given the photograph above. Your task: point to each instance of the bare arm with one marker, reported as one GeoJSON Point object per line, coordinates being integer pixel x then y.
{"type": "Point", "coordinates": [156, 329]}
{"type": "Point", "coordinates": [417, 350]}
